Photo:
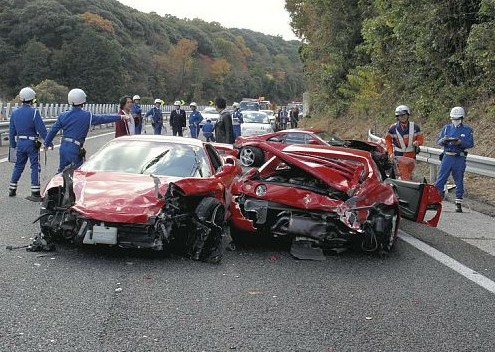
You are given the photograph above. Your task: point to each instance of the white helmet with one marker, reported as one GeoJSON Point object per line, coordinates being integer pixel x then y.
{"type": "Point", "coordinates": [136, 97]}
{"type": "Point", "coordinates": [193, 104]}
{"type": "Point", "coordinates": [457, 113]}
{"type": "Point", "coordinates": [27, 94]}
{"type": "Point", "coordinates": [235, 105]}
{"type": "Point", "coordinates": [401, 109]}
{"type": "Point", "coordinates": [158, 101]}
{"type": "Point", "coordinates": [177, 103]}
{"type": "Point", "coordinates": [76, 97]}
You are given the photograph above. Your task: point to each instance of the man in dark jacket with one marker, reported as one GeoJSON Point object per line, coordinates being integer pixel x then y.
{"type": "Point", "coordinates": [177, 120]}
{"type": "Point", "coordinates": [224, 130]}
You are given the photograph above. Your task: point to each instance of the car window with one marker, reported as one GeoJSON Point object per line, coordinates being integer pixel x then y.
{"type": "Point", "coordinates": [277, 138]}
{"type": "Point", "coordinates": [295, 138]}
{"type": "Point", "coordinates": [255, 117]}
{"type": "Point", "coordinates": [215, 158]}
{"type": "Point", "coordinates": [147, 157]}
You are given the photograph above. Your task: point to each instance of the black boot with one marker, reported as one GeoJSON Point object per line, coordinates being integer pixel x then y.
{"type": "Point", "coordinates": [458, 208]}
{"type": "Point", "coordinates": [35, 197]}
{"type": "Point", "coordinates": [12, 192]}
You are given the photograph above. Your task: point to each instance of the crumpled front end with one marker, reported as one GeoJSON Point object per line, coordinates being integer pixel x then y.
{"type": "Point", "coordinates": [190, 225]}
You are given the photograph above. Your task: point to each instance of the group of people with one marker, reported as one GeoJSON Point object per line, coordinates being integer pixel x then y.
{"type": "Point", "coordinates": [287, 118]}
{"type": "Point", "coordinates": [404, 138]}
{"type": "Point", "coordinates": [27, 130]}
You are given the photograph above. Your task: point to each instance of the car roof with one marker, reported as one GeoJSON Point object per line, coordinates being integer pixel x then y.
{"type": "Point", "coordinates": [161, 138]}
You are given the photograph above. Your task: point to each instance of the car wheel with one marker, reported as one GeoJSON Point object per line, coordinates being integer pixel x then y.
{"type": "Point", "coordinates": [251, 156]}
{"type": "Point", "coordinates": [208, 244]}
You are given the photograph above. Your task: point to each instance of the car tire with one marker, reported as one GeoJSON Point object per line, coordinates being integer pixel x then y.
{"type": "Point", "coordinates": [209, 211]}
{"type": "Point", "coordinates": [251, 156]}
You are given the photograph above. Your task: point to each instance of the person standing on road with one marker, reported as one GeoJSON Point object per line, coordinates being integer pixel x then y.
{"type": "Point", "coordinates": [455, 138]}
{"type": "Point", "coordinates": [195, 119]}
{"type": "Point", "coordinates": [177, 119]}
{"type": "Point", "coordinates": [26, 125]}
{"type": "Point", "coordinates": [75, 124]}
{"type": "Point", "coordinates": [403, 139]}
{"type": "Point", "coordinates": [125, 127]}
{"type": "Point", "coordinates": [137, 113]}
{"type": "Point", "coordinates": [294, 117]}
{"type": "Point", "coordinates": [283, 115]}
{"type": "Point", "coordinates": [224, 131]}
{"type": "Point", "coordinates": [208, 129]}
{"type": "Point", "coordinates": [237, 120]}
{"type": "Point", "coordinates": [156, 117]}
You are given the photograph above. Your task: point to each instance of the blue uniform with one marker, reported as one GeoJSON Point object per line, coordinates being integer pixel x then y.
{"type": "Point", "coordinates": [75, 124]}
{"type": "Point", "coordinates": [208, 131]}
{"type": "Point", "coordinates": [237, 120]}
{"type": "Point", "coordinates": [25, 126]}
{"type": "Point", "coordinates": [454, 158]}
{"type": "Point", "coordinates": [195, 118]}
{"type": "Point", "coordinates": [137, 112]}
{"type": "Point", "coordinates": [157, 119]}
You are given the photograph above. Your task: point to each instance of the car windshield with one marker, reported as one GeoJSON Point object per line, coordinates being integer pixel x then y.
{"type": "Point", "coordinates": [150, 157]}
{"type": "Point", "coordinates": [255, 117]}
{"type": "Point", "coordinates": [249, 105]}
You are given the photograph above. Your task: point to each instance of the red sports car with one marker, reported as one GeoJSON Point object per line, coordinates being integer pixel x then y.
{"type": "Point", "coordinates": [326, 197]}
{"type": "Point", "coordinates": [144, 191]}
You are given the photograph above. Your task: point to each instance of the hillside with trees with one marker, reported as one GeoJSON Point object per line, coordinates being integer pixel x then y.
{"type": "Point", "coordinates": [109, 49]}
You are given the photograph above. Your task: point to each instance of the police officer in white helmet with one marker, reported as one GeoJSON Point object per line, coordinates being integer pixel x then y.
{"type": "Point", "coordinates": [75, 124]}
{"type": "Point", "coordinates": [455, 138]}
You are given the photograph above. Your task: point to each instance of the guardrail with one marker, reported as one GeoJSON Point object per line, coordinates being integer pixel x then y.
{"type": "Point", "coordinates": [475, 164]}
{"type": "Point", "coordinates": [49, 112]}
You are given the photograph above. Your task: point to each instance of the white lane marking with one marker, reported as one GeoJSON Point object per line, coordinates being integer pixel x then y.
{"type": "Point", "coordinates": [449, 262]}
{"type": "Point", "coordinates": [4, 160]}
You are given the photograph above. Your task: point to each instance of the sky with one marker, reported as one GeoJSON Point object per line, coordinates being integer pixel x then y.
{"type": "Point", "coordinates": [265, 16]}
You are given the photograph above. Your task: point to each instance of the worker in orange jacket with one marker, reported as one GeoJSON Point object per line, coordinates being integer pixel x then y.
{"type": "Point", "coordinates": [403, 140]}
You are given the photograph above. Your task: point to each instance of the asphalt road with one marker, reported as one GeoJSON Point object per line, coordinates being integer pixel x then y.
{"type": "Point", "coordinates": [258, 299]}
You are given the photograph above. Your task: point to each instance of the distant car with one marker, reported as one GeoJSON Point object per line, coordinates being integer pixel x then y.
{"type": "Point", "coordinates": [145, 191]}
{"type": "Point", "coordinates": [323, 197]}
{"type": "Point", "coordinates": [209, 113]}
{"type": "Point", "coordinates": [255, 123]}
{"type": "Point", "coordinates": [252, 105]}
{"type": "Point", "coordinates": [272, 118]}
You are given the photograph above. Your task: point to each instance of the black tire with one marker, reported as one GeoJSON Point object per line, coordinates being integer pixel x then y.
{"type": "Point", "coordinates": [211, 213]}
{"type": "Point", "coordinates": [251, 156]}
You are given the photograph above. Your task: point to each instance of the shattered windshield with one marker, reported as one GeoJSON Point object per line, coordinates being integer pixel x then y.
{"type": "Point", "coordinates": [150, 157]}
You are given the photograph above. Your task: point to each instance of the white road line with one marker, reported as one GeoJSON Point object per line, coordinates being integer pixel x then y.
{"type": "Point", "coordinates": [449, 262]}
{"type": "Point", "coordinates": [4, 160]}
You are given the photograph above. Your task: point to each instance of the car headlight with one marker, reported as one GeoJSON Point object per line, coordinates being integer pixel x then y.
{"type": "Point", "coordinates": [260, 190]}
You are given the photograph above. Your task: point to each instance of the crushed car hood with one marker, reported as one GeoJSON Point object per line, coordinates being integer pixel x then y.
{"type": "Point", "coordinates": [124, 197]}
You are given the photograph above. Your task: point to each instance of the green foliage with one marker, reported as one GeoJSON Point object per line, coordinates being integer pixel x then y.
{"type": "Point", "coordinates": [363, 57]}
{"type": "Point", "coordinates": [109, 50]}
{"type": "Point", "coordinates": [50, 91]}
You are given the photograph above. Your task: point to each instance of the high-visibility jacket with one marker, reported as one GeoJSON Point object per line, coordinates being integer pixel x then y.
{"type": "Point", "coordinates": [400, 139]}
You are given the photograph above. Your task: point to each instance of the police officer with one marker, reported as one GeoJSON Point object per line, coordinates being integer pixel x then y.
{"type": "Point", "coordinates": [177, 119]}
{"type": "Point", "coordinates": [156, 117]}
{"type": "Point", "coordinates": [455, 138]}
{"type": "Point", "coordinates": [195, 119]}
{"type": "Point", "coordinates": [137, 113]}
{"type": "Point", "coordinates": [26, 125]}
{"type": "Point", "coordinates": [402, 140]}
{"type": "Point", "coordinates": [75, 124]}
{"type": "Point", "coordinates": [237, 120]}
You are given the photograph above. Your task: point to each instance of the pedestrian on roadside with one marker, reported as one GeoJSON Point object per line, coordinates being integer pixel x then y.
{"type": "Point", "coordinates": [177, 119]}
{"type": "Point", "coordinates": [208, 129]}
{"type": "Point", "coordinates": [283, 116]}
{"type": "Point", "coordinates": [237, 120]}
{"type": "Point", "coordinates": [125, 127]}
{"type": "Point", "coordinates": [294, 117]}
{"type": "Point", "coordinates": [156, 117]}
{"type": "Point", "coordinates": [25, 128]}
{"type": "Point", "coordinates": [75, 124]}
{"type": "Point", "coordinates": [137, 113]}
{"type": "Point", "coordinates": [455, 138]}
{"type": "Point", "coordinates": [195, 119]}
{"type": "Point", "coordinates": [403, 139]}
{"type": "Point", "coordinates": [224, 131]}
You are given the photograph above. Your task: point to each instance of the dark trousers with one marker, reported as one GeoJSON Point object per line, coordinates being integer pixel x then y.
{"type": "Point", "coordinates": [177, 131]}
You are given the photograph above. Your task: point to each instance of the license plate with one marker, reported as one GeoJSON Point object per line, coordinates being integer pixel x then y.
{"type": "Point", "coordinates": [104, 234]}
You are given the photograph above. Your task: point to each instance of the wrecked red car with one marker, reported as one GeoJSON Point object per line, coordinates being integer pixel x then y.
{"type": "Point", "coordinates": [325, 197]}
{"type": "Point", "coordinates": [154, 192]}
